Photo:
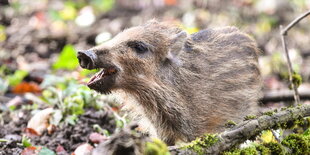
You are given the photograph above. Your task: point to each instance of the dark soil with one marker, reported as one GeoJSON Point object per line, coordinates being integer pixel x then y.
{"type": "Point", "coordinates": [68, 136]}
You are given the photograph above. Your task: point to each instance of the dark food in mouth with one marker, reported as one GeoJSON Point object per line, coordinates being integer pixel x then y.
{"type": "Point", "coordinates": [101, 74]}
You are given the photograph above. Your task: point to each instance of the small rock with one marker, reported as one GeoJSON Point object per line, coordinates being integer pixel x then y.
{"type": "Point", "coordinates": [84, 149]}
{"type": "Point", "coordinates": [97, 138]}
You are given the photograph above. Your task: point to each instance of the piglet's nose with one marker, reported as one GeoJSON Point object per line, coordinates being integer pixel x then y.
{"type": "Point", "coordinates": [87, 59]}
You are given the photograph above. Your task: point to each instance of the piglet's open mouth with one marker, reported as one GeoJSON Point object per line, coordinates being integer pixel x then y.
{"type": "Point", "coordinates": [99, 77]}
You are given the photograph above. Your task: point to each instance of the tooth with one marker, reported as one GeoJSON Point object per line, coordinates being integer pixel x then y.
{"type": "Point", "coordinates": [102, 73]}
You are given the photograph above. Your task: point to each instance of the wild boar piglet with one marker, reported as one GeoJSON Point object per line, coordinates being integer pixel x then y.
{"type": "Point", "coordinates": [178, 86]}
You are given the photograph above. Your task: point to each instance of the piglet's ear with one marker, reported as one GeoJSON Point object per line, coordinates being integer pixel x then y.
{"type": "Point", "coordinates": [176, 45]}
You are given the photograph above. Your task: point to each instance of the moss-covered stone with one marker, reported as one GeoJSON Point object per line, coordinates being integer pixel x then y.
{"type": "Point", "coordinates": [200, 144]}
{"type": "Point", "coordinates": [298, 143]}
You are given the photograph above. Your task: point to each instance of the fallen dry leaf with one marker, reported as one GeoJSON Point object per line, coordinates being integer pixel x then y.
{"type": "Point", "coordinates": [31, 132]}
{"type": "Point", "coordinates": [60, 149]}
{"type": "Point", "coordinates": [51, 128]}
{"type": "Point", "coordinates": [84, 149]}
{"type": "Point", "coordinates": [31, 150]}
{"type": "Point", "coordinates": [40, 121]}
{"type": "Point", "coordinates": [26, 87]}
{"type": "Point", "coordinates": [97, 138]}
{"type": "Point", "coordinates": [16, 101]}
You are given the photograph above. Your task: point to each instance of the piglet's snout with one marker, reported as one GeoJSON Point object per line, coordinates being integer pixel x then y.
{"type": "Point", "coordinates": [87, 59]}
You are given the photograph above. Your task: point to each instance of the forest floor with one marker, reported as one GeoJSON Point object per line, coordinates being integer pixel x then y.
{"type": "Point", "coordinates": [39, 70]}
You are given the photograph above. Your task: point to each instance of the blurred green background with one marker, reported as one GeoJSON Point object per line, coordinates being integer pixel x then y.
{"type": "Point", "coordinates": [33, 33]}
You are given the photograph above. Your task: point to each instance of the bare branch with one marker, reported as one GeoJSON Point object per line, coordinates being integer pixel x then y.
{"type": "Point", "coordinates": [283, 33]}
{"type": "Point", "coordinates": [284, 95]}
{"type": "Point", "coordinates": [294, 22]}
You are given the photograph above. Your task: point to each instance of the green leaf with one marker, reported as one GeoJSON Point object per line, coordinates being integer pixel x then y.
{"type": "Point", "coordinates": [17, 77]}
{"type": "Point", "coordinates": [46, 151]}
{"type": "Point", "coordinates": [119, 124]}
{"type": "Point", "coordinates": [67, 59]}
{"type": "Point", "coordinates": [307, 132]}
{"type": "Point", "coordinates": [2, 33]}
{"type": "Point", "coordinates": [98, 129]}
{"type": "Point", "coordinates": [12, 107]}
{"type": "Point", "coordinates": [3, 86]}
{"type": "Point", "coordinates": [3, 140]}
{"type": "Point", "coordinates": [54, 15]}
{"type": "Point", "coordinates": [71, 119]}
{"type": "Point", "coordinates": [52, 80]}
{"type": "Point", "coordinates": [86, 72]}
{"type": "Point", "coordinates": [56, 117]}
{"type": "Point", "coordinates": [69, 12]}
{"type": "Point", "coordinates": [26, 141]}
{"type": "Point", "coordinates": [103, 5]}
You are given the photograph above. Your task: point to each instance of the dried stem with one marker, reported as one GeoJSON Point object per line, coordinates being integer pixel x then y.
{"type": "Point", "coordinates": [294, 22]}
{"type": "Point", "coordinates": [289, 66]}
{"type": "Point", "coordinates": [283, 33]}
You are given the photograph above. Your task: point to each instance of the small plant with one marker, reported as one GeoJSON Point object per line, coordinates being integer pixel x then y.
{"type": "Point", "coordinates": [26, 142]}
{"type": "Point", "coordinates": [69, 97]}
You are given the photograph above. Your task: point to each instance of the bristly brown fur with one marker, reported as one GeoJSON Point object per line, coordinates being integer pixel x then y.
{"type": "Point", "coordinates": [215, 78]}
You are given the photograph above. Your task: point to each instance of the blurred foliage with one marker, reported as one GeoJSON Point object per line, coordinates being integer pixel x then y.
{"type": "Point", "coordinates": [68, 96]}
{"type": "Point", "coordinates": [17, 77]}
{"type": "Point", "coordinates": [46, 151]}
{"type": "Point", "coordinates": [2, 33]}
{"type": "Point", "coordinates": [69, 12]}
{"type": "Point", "coordinates": [67, 59]}
{"type": "Point", "coordinates": [259, 18]}
{"type": "Point", "coordinates": [9, 79]}
{"type": "Point", "coordinates": [103, 5]}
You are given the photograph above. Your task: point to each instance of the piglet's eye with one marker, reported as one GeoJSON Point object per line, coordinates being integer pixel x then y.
{"type": "Point", "coordinates": [138, 46]}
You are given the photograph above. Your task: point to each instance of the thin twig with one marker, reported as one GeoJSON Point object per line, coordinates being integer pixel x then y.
{"type": "Point", "coordinates": [289, 66]}
{"type": "Point", "coordinates": [283, 33]}
{"type": "Point", "coordinates": [294, 22]}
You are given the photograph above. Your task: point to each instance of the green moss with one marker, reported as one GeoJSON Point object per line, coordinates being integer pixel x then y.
{"type": "Point", "coordinates": [232, 152]}
{"type": "Point", "coordinates": [299, 144]}
{"type": "Point", "coordinates": [275, 148]}
{"type": "Point", "coordinates": [249, 117]}
{"type": "Point", "coordinates": [263, 150]}
{"type": "Point", "coordinates": [230, 123]}
{"type": "Point", "coordinates": [269, 113]}
{"type": "Point", "coordinates": [200, 144]}
{"type": "Point", "coordinates": [297, 79]}
{"type": "Point", "coordinates": [283, 108]}
{"type": "Point", "coordinates": [249, 151]}
{"type": "Point", "coordinates": [156, 147]}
